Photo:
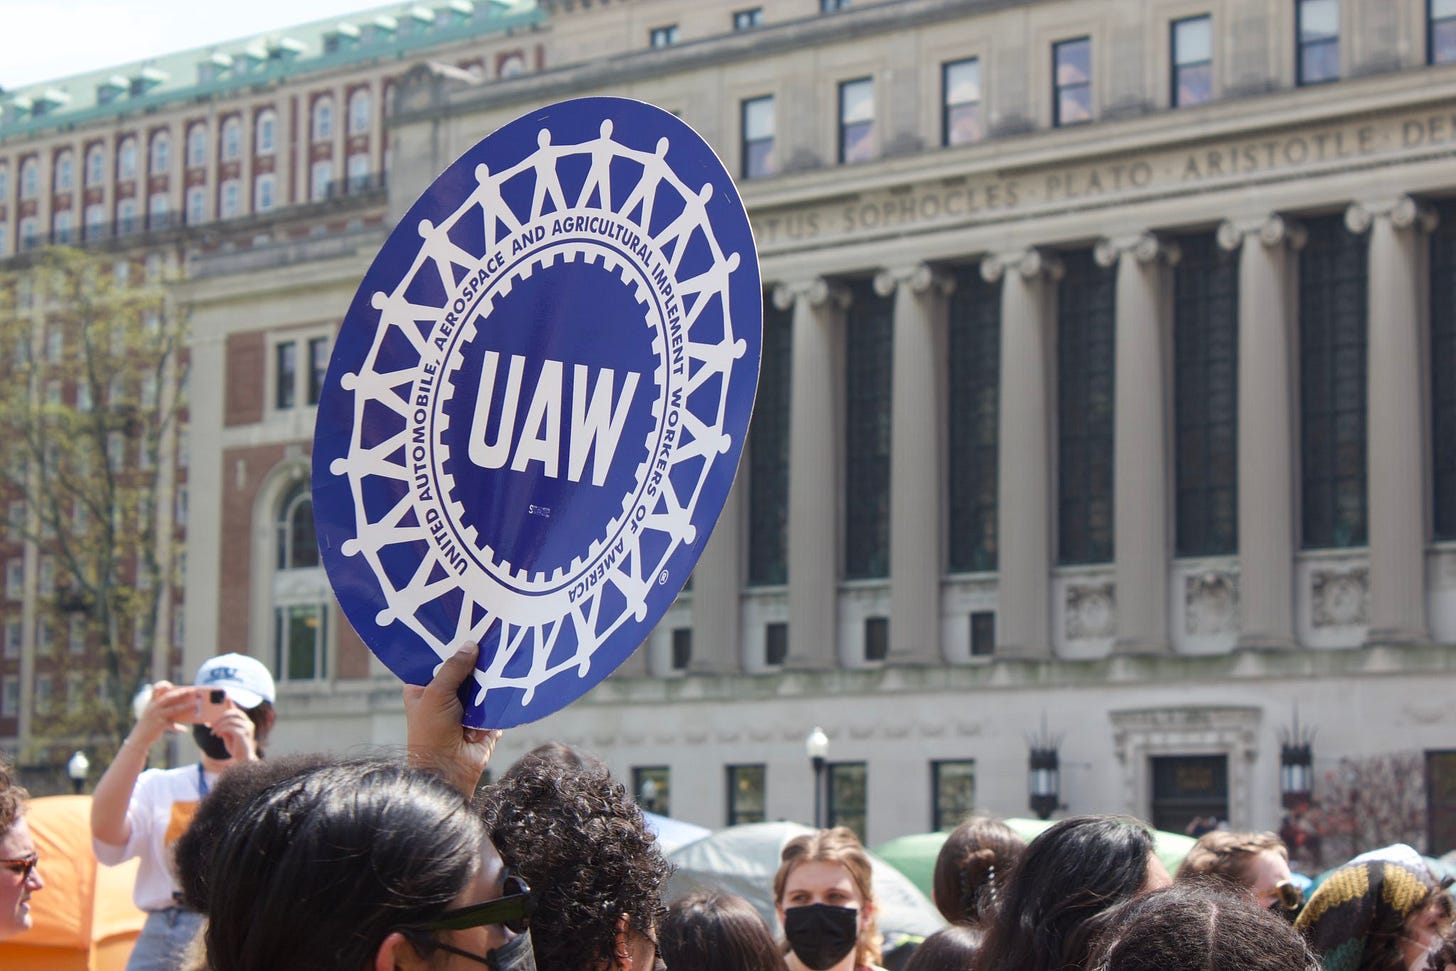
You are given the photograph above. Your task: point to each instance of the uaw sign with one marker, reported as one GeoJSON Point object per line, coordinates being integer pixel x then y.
{"type": "Point", "coordinates": [537, 403]}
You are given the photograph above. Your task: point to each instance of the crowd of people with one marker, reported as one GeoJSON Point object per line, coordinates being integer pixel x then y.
{"type": "Point", "coordinates": [318, 863]}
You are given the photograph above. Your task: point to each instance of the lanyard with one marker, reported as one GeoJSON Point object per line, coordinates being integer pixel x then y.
{"type": "Point", "coordinates": [202, 787]}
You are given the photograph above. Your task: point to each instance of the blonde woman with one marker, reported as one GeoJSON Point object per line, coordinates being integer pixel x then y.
{"type": "Point", "coordinates": [825, 903]}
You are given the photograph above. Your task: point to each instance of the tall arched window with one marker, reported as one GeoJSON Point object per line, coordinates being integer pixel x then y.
{"type": "Point", "coordinates": [232, 138]}
{"type": "Point", "coordinates": [359, 107]}
{"type": "Point", "coordinates": [197, 145]}
{"type": "Point", "coordinates": [300, 591]}
{"type": "Point", "coordinates": [29, 178]}
{"type": "Point", "coordinates": [95, 165]}
{"type": "Point", "coordinates": [126, 160]}
{"type": "Point", "coordinates": [297, 542]}
{"type": "Point", "coordinates": [160, 155]}
{"type": "Point", "coordinates": [64, 179]}
{"type": "Point", "coordinates": [264, 132]}
{"type": "Point", "coordinates": [323, 117]}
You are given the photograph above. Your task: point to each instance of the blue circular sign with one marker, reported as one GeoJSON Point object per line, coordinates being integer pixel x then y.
{"type": "Point", "coordinates": [537, 403]}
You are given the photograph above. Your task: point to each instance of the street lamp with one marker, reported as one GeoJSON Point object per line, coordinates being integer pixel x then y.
{"type": "Point", "coordinates": [77, 768]}
{"type": "Point", "coordinates": [1296, 765]}
{"type": "Point", "coordinates": [648, 795]}
{"type": "Point", "coordinates": [1044, 780]}
{"type": "Point", "coordinates": [817, 746]}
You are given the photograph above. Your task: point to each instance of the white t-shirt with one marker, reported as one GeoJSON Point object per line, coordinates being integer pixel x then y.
{"type": "Point", "coordinates": [162, 806]}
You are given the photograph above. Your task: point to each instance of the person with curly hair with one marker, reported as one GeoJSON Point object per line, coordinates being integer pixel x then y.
{"type": "Point", "coordinates": [826, 903]}
{"type": "Point", "coordinates": [972, 867]}
{"type": "Point", "coordinates": [579, 839]}
{"type": "Point", "coordinates": [19, 862]}
{"type": "Point", "coordinates": [1256, 862]}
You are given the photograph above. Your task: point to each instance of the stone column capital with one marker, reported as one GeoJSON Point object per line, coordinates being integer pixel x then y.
{"type": "Point", "coordinates": [1031, 263]}
{"type": "Point", "coordinates": [1403, 211]}
{"type": "Point", "coordinates": [1144, 247]}
{"type": "Point", "coordinates": [1272, 230]}
{"type": "Point", "coordinates": [818, 291]}
{"type": "Point", "coordinates": [921, 278]}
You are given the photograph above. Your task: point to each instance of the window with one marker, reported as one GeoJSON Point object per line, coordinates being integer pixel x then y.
{"type": "Point", "coordinates": [868, 349]}
{"type": "Point", "coordinates": [973, 352]}
{"type": "Point", "coordinates": [857, 120]}
{"type": "Point", "coordinates": [127, 221]}
{"type": "Point", "coordinates": [9, 696]}
{"type": "Point", "coordinates": [953, 793]}
{"type": "Point", "coordinates": [263, 132]}
{"type": "Point", "coordinates": [15, 520]}
{"type": "Point", "coordinates": [1186, 787]}
{"type": "Point", "coordinates": [1332, 378]}
{"type": "Point", "coordinates": [76, 635]}
{"type": "Point", "coordinates": [321, 175]}
{"type": "Point", "coordinates": [13, 635]}
{"type": "Point", "coordinates": [358, 170]}
{"type": "Point", "coordinates": [758, 137]}
{"type": "Point", "coordinates": [63, 227]}
{"type": "Point", "coordinates": [768, 454]}
{"type": "Point", "coordinates": [1085, 361]}
{"type": "Point", "coordinates": [159, 211]}
{"type": "Point", "coordinates": [1443, 375]}
{"type": "Point", "coordinates": [960, 94]}
{"type": "Point", "coordinates": [663, 36]}
{"type": "Point", "coordinates": [1072, 81]}
{"type": "Point", "coordinates": [196, 205]}
{"type": "Point", "coordinates": [45, 641]}
{"type": "Point", "coordinates": [359, 108]}
{"type": "Point", "coordinates": [14, 579]}
{"type": "Point", "coordinates": [65, 175]}
{"type": "Point", "coordinates": [55, 344]}
{"type": "Point", "coordinates": [876, 638]}
{"type": "Point", "coordinates": [746, 794]}
{"type": "Point", "coordinates": [682, 648]}
{"type": "Point", "coordinates": [196, 145]}
{"type": "Point", "coordinates": [232, 138]}
{"type": "Point", "coordinates": [95, 220]}
{"type": "Point", "coordinates": [1192, 61]}
{"type": "Point", "coordinates": [829, 6]}
{"type": "Point", "coordinates": [301, 641]}
{"type": "Point", "coordinates": [1318, 29]}
{"type": "Point", "coordinates": [1441, 32]}
{"type": "Point", "coordinates": [775, 643]}
{"type": "Point", "coordinates": [285, 375]}
{"type": "Point", "coordinates": [29, 232]}
{"type": "Point", "coordinates": [4, 181]}
{"type": "Point", "coordinates": [847, 796]}
{"type": "Point", "coordinates": [323, 117]}
{"type": "Point", "coordinates": [29, 178]}
{"type": "Point", "coordinates": [652, 785]}
{"type": "Point", "coordinates": [95, 165]}
{"type": "Point", "coordinates": [161, 153]}
{"type": "Point", "coordinates": [263, 199]}
{"type": "Point", "coordinates": [747, 20]}
{"type": "Point", "coordinates": [230, 205]}
{"type": "Point", "coordinates": [126, 160]}
{"type": "Point", "coordinates": [318, 366]}
{"type": "Point", "coordinates": [983, 633]}
{"type": "Point", "coordinates": [43, 692]}
{"type": "Point", "coordinates": [1206, 398]}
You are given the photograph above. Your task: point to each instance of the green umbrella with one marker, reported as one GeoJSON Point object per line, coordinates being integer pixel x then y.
{"type": "Point", "coordinates": [915, 855]}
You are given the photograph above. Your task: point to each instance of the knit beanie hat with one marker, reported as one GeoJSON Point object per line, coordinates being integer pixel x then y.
{"type": "Point", "coordinates": [1356, 901]}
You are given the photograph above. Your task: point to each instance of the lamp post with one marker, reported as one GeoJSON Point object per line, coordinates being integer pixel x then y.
{"type": "Point", "coordinates": [1044, 780]}
{"type": "Point", "coordinates": [1296, 765]}
{"type": "Point", "coordinates": [648, 795]}
{"type": "Point", "coordinates": [77, 768]}
{"type": "Point", "coordinates": [817, 747]}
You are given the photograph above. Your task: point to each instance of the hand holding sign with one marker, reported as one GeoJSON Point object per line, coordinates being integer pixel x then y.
{"type": "Point", "coordinates": [537, 404]}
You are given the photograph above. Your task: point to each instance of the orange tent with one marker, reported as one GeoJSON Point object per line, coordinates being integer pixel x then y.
{"type": "Point", "coordinates": [84, 919]}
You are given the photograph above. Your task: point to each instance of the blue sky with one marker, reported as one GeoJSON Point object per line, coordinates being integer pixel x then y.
{"type": "Point", "coordinates": [85, 35]}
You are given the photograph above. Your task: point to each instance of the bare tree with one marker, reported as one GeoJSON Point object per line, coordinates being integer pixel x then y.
{"type": "Point", "coordinates": [95, 370]}
{"type": "Point", "coordinates": [1371, 802]}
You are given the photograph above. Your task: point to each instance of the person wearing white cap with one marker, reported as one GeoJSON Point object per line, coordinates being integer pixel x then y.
{"type": "Point", "coordinates": [140, 812]}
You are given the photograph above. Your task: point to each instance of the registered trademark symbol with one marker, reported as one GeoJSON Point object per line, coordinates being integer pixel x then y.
{"type": "Point", "coordinates": [662, 579]}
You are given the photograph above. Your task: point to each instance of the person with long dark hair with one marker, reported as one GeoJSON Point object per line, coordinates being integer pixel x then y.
{"type": "Point", "coordinates": [951, 948]}
{"type": "Point", "coordinates": [718, 932]}
{"type": "Point", "coordinates": [972, 868]}
{"type": "Point", "coordinates": [1069, 874]}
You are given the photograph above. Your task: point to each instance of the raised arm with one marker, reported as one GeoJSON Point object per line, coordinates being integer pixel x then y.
{"type": "Point", "coordinates": [434, 738]}
{"type": "Point", "coordinates": [169, 704]}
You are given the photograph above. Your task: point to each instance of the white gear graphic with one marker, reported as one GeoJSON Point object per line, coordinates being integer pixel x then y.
{"type": "Point", "coordinates": [535, 608]}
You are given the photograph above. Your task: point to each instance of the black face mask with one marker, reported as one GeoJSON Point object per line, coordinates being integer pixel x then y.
{"type": "Point", "coordinates": [212, 746]}
{"type": "Point", "coordinates": [820, 935]}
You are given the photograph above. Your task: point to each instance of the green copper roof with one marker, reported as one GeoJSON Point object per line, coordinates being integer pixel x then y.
{"type": "Point", "coordinates": [379, 33]}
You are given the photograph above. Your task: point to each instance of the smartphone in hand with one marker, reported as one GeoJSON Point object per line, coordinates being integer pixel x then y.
{"type": "Point", "coordinates": [211, 703]}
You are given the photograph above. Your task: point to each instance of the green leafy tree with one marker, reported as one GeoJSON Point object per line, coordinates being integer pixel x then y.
{"type": "Point", "coordinates": [90, 408]}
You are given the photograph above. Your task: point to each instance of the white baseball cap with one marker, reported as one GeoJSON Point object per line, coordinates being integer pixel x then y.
{"type": "Point", "coordinates": [245, 679]}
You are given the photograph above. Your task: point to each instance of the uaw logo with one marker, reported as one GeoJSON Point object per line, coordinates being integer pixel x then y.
{"type": "Point", "coordinates": [537, 403]}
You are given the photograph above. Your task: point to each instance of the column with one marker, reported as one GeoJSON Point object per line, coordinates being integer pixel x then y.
{"type": "Point", "coordinates": [1395, 422]}
{"type": "Point", "coordinates": [717, 582]}
{"type": "Point", "coordinates": [814, 456]}
{"type": "Point", "coordinates": [1140, 513]}
{"type": "Point", "coordinates": [1024, 489]}
{"type": "Point", "coordinates": [916, 460]}
{"type": "Point", "coordinates": [1267, 440]}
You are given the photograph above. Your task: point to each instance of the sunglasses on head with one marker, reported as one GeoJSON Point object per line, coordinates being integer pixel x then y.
{"type": "Point", "coordinates": [1287, 895]}
{"type": "Point", "coordinates": [513, 909]}
{"type": "Point", "coordinates": [24, 865]}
